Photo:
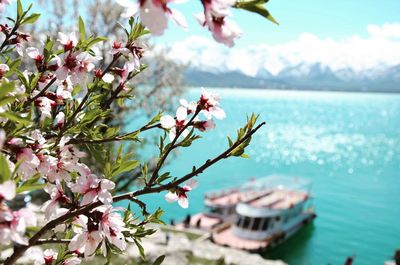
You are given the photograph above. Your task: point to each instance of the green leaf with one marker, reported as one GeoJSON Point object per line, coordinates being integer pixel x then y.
{"type": "Point", "coordinates": [36, 186]}
{"type": "Point", "coordinates": [140, 248]}
{"type": "Point", "coordinates": [15, 118]}
{"type": "Point", "coordinates": [31, 19]}
{"type": "Point", "coordinates": [125, 167]}
{"type": "Point", "coordinates": [5, 88]}
{"type": "Point", "coordinates": [81, 26]}
{"type": "Point", "coordinates": [159, 260]}
{"type": "Point", "coordinates": [20, 11]}
{"type": "Point", "coordinates": [13, 67]}
{"type": "Point", "coordinates": [5, 173]}
{"type": "Point", "coordinates": [230, 141]}
{"type": "Point", "coordinates": [6, 100]}
{"type": "Point", "coordinates": [31, 184]}
{"type": "Point", "coordinates": [96, 40]}
{"type": "Point", "coordinates": [257, 8]}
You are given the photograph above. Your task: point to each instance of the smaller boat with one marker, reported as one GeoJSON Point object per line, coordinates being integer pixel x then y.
{"type": "Point", "coordinates": [260, 214]}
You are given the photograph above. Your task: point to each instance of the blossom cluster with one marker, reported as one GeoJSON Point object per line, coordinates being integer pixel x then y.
{"type": "Point", "coordinates": [188, 114]}
{"type": "Point", "coordinates": [53, 114]}
{"type": "Point", "coordinates": [215, 17]}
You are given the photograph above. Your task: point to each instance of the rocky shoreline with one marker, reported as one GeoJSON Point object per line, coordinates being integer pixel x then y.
{"type": "Point", "coordinates": [179, 250]}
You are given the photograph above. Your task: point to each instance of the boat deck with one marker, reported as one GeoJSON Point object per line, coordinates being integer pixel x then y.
{"type": "Point", "coordinates": [201, 221]}
{"type": "Point", "coordinates": [279, 199]}
{"type": "Point", "coordinates": [269, 198]}
{"type": "Point", "coordinates": [226, 237]}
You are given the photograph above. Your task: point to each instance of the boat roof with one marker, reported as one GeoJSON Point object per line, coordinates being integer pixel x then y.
{"type": "Point", "coordinates": [258, 190]}
{"type": "Point", "coordinates": [278, 181]}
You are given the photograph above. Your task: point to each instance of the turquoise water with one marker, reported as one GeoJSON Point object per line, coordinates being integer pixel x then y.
{"type": "Point", "coordinates": [348, 144]}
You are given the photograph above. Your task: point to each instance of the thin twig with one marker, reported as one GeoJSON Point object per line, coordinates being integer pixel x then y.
{"type": "Point", "coordinates": [114, 139]}
{"type": "Point", "coordinates": [41, 93]}
{"type": "Point", "coordinates": [171, 147]}
{"type": "Point", "coordinates": [20, 250]}
{"type": "Point", "coordinates": [52, 241]}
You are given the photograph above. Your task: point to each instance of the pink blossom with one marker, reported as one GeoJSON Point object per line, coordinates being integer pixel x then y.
{"type": "Point", "coordinates": [108, 78]}
{"type": "Point", "coordinates": [179, 194]}
{"type": "Point", "coordinates": [190, 106]}
{"type": "Point", "coordinates": [29, 163]}
{"type": "Point", "coordinates": [130, 8]}
{"type": "Point", "coordinates": [13, 226]}
{"type": "Point", "coordinates": [7, 190]}
{"type": "Point", "coordinates": [64, 89]}
{"type": "Point", "coordinates": [154, 15]}
{"type": "Point", "coordinates": [93, 188]}
{"type": "Point", "coordinates": [69, 42]}
{"type": "Point", "coordinates": [86, 242]}
{"type": "Point", "coordinates": [60, 119]}
{"type": "Point", "coordinates": [3, 4]}
{"type": "Point", "coordinates": [45, 105]}
{"type": "Point", "coordinates": [118, 47]}
{"type": "Point", "coordinates": [112, 226]}
{"type": "Point", "coordinates": [44, 80]}
{"type": "Point", "coordinates": [2, 138]}
{"type": "Point", "coordinates": [86, 65]}
{"type": "Point", "coordinates": [47, 258]}
{"type": "Point", "coordinates": [209, 103]}
{"type": "Point", "coordinates": [57, 195]}
{"type": "Point", "coordinates": [69, 66]}
{"type": "Point", "coordinates": [76, 66]}
{"type": "Point", "coordinates": [175, 125]}
{"type": "Point", "coordinates": [204, 125]}
{"type": "Point", "coordinates": [123, 73]}
{"type": "Point", "coordinates": [3, 70]}
{"type": "Point", "coordinates": [215, 19]}
{"type": "Point", "coordinates": [19, 41]}
{"type": "Point", "coordinates": [36, 55]}
{"type": "Point", "coordinates": [71, 261]}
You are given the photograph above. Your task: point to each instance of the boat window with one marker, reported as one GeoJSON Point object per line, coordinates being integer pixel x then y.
{"type": "Point", "coordinates": [216, 210]}
{"type": "Point", "coordinates": [246, 222]}
{"type": "Point", "coordinates": [265, 224]}
{"type": "Point", "coordinates": [256, 224]}
{"type": "Point", "coordinates": [238, 219]}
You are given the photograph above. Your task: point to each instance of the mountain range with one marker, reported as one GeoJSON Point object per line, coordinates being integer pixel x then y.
{"type": "Point", "coordinates": [300, 77]}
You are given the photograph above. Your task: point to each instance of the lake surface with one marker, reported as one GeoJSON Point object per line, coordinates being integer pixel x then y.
{"type": "Point", "coordinates": [348, 144]}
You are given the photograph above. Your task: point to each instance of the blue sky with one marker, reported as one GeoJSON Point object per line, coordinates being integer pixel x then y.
{"type": "Point", "coordinates": [361, 36]}
{"type": "Point", "coordinates": [324, 18]}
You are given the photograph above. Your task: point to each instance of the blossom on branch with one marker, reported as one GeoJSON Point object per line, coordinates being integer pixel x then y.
{"type": "Point", "coordinates": [93, 188]}
{"type": "Point", "coordinates": [47, 258]}
{"type": "Point", "coordinates": [179, 194]}
{"type": "Point", "coordinates": [215, 19]}
{"type": "Point", "coordinates": [13, 225]}
{"type": "Point", "coordinates": [3, 70]}
{"type": "Point", "coordinates": [57, 195]}
{"type": "Point", "coordinates": [175, 125]}
{"type": "Point", "coordinates": [209, 103]}
{"type": "Point", "coordinates": [7, 191]}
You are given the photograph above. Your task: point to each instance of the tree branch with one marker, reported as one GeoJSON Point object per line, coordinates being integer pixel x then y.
{"type": "Point", "coordinates": [41, 93]}
{"type": "Point", "coordinates": [19, 250]}
{"type": "Point", "coordinates": [171, 147]}
{"type": "Point", "coordinates": [52, 241]}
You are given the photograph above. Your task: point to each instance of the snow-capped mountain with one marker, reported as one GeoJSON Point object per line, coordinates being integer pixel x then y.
{"type": "Point", "coordinates": [309, 62]}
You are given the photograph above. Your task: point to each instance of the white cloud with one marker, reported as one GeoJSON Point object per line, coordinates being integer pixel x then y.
{"type": "Point", "coordinates": [374, 53]}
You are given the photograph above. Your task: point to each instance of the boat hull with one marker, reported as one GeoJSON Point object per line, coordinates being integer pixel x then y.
{"type": "Point", "coordinates": [226, 237]}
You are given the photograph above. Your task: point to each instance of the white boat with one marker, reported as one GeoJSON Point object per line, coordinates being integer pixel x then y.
{"type": "Point", "coordinates": [257, 215]}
